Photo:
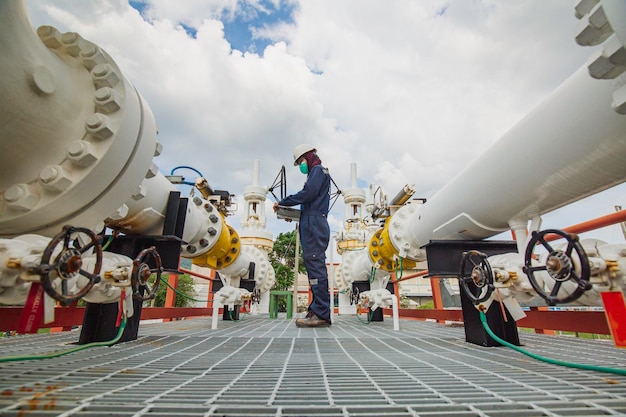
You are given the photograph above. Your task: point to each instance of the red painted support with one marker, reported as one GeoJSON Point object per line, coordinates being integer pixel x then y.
{"type": "Point", "coordinates": [436, 291]}
{"type": "Point", "coordinates": [170, 295]}
{"type": "Point", "coordinates": [615, 310]}
{"type": "Point", "coordinates": [209, 296]}
{"type": "Point", "coordinates": [538, 330]}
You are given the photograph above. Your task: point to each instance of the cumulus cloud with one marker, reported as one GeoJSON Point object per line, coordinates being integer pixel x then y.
{"type": "Point", "coordinates": [410, 91]}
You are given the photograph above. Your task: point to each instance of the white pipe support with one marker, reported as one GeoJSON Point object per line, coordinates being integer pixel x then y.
{"type": "Point", "coordinates": [396, 315]}
{"type": "Point", "coordinates": [216, 310]}
{"type": "Point", "coordinates": [520, 228]}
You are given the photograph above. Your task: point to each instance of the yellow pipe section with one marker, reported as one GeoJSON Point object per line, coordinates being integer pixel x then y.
{"type": "Point", "coordinates": [224, 252]}
{"type": "Point", "coordinates": [383, 253]}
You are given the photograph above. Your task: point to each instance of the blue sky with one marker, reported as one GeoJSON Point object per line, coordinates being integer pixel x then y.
{"type": "Point", "coordinates": [241, 26]}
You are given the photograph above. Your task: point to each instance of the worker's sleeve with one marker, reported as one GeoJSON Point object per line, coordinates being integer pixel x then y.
{"type": "Point", "coordinates": [311, 189]}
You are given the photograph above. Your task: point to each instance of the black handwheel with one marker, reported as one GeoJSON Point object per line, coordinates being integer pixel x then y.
{"type": "Point", "coordinates": [478, 279]}
{"type": "Point", "coordinates": [559, 265]}
{"type": "Point", "coordinates": [142, 271]}
{"type": "Point", "coordinates": [354, 296]}
{"type": "Point", "coordinates": [69, 262]}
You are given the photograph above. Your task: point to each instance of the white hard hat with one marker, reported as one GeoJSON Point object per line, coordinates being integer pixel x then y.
{"type": "Point", "coordinates": [300, 150]}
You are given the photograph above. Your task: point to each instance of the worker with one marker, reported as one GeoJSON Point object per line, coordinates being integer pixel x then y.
{"type": "Point", "coordinates": [314, 200]}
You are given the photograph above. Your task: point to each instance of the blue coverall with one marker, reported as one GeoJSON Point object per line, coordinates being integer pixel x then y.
{"type": "Point", "coordinates": [314, 200]}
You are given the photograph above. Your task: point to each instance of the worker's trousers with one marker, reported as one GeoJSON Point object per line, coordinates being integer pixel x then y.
{"type": "Point", "coordinates": [314, 236]}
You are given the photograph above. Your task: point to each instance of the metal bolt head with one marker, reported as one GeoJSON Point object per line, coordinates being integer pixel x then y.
{"type": "Point", "coordinates": [99, 125]}
{"type": "Point", "coordinates": [21, 197]}
{"type": "Point", "coordinates": [213, 218]}
{"type": "Point", "coordinates": [54, 178]}
{"type": "Point", "coordinates": [152, 171]}
{"type": "Point", "coordinates": [120, 213]}
{"type": "Point", "coordinates": [140, 192]}
{"type": "Point", "coordinates": [107, 100]}
{"type": "Point", "coordinates": [49, 36]}
{"type": "Point", "coordinates": [158, 149]}
{"type": "Point", "coordinates": [211, 231]}
{"type": "Point", "coordinates": [191, 249]}
{"type": "Point", "coordinates": [72, 42]}
{"type": "Point", "coordinates": [619, 100]}
{"type": "Point", "coordinates": [91, 55]}
{"type": "Point", "coordinates": [81, 153]}
{"type": "Point", "coordinates": [104, 76]}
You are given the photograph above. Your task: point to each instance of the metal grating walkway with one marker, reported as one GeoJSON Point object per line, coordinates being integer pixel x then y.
{"type": "Point", "coordinates": [263, 367]}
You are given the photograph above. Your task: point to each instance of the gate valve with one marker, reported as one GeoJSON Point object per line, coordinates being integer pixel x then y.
{"type": "Point", "coordinates": [146, 264]}
{"type": "Point", "coordinates": [560, 266]}
{"type": "Point", "coordinates": [68, 263]}
{"type": "Point", "coordinates": [478, 284]}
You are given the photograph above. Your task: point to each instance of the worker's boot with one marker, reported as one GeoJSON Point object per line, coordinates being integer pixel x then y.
{"type": "Point", "coordinates": [312, 321]}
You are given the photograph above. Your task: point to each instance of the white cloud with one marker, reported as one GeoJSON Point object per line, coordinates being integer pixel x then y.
{"type": "Point", "coordinates": [411, 91]}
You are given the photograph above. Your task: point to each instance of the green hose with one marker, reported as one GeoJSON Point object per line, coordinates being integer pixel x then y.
{"type": "Point", "coordinates": [182, 294]}
{"type": "Point", "coordinates": [65, 352]}
{"type": "Point", "coordinates": [483, 319]}
{"type": "Point", "coordinates": [369, 317]}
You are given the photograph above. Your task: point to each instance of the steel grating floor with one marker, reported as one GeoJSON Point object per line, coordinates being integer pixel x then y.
{"type": "Point", "coordinates": [263, 367]}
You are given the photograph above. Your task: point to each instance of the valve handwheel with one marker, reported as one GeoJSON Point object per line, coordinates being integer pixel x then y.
{"type": "Point", "coordinates": [142, 272]}
{"type": "Point", "coordinates": [256, 296]}
{"type": "Point", "coordinates": [559, 265]}
{"type": "Point", "coordinates": [69, 262]}
{"type": "Point", "coordinates": [479, 277]}
{"type": "Point", "coordinates": [354, 296]}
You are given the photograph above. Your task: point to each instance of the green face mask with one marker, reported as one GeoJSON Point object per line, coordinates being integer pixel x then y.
{"type": "Point", "coordinates": [304, 168]}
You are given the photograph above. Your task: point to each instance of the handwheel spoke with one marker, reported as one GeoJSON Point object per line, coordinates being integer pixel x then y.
{"type": "Point", "coordinates": [85, 248]}
{"type": "Point", "coordinates": [545, 243]}
{"type": "Point", "coordinates": [66, 242]}
{"type": "Point", "coordinates": [537, 268]}
{"type": "Point", "coordinates": [142, 272]}
{"type": "Point", "coordinates": [87, 274]}
{"type": "Point", "coordinates": [555, 289]}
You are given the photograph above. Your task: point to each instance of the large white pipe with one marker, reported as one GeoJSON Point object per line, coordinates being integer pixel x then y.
{"type": "Point", "coordinates": [571, 146]}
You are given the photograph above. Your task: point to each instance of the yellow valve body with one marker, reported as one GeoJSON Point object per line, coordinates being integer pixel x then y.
{"type": "Point", "coordinates": [383, 253]}
{"type": "Point", "coordinates": [224, 251]}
